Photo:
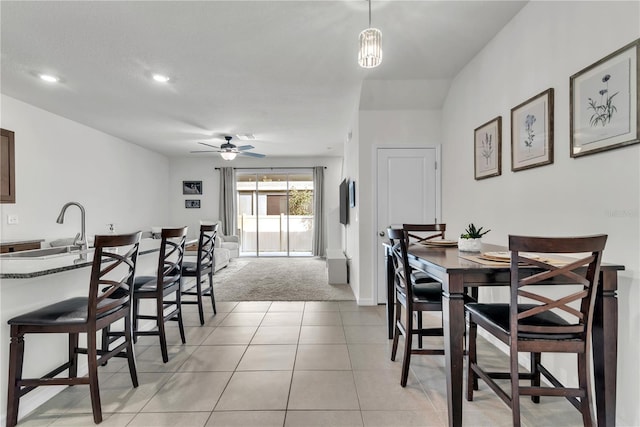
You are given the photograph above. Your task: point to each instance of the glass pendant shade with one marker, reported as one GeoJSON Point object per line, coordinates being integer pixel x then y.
{"type": "Point", "coordinates": [228, 155]}
{"type": "Point", "coordinates": [370, 54]}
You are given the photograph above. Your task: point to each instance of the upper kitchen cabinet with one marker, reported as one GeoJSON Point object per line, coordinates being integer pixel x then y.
{"type": "Point", "coordinates": [7, 168]}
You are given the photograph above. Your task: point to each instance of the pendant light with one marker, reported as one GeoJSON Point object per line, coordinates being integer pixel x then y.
{"type": "Point", "coordinates": [370, 54]}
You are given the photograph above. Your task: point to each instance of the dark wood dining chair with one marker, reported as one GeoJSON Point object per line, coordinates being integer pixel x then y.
{"type": "Point", "coordinates": [161, 287]}
{"type": "Point", "coordinates": [204, 265]}
{"type": "Point", "coordinates": [411, 297]}
{"type": "Point", "coordinates": [108, 301]}
{"type": "Point", "coordinates": [539, 319]}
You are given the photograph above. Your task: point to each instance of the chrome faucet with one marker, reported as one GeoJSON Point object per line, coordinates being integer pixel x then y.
{"type": "Point", "coordinates": [81, 238]}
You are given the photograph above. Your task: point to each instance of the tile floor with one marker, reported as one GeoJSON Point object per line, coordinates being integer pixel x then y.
{"type": "Point", "coordinates": [284, 364]}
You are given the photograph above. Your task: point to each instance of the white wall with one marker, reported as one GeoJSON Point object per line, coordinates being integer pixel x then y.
{"type": "Point", "coordinates": [381, 129]}
{"type": "Point", "coordinates": [540, 48]}
{"type": "Point", "coordinates": [202, 168]}
{"type": "Point", "coordinates": [59, 160]}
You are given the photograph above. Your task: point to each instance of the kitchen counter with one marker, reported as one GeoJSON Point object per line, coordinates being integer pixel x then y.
{"type": "Point", "coordinates": [25, 268]}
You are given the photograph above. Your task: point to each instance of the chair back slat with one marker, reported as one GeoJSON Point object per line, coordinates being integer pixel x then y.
{"type": "Point", "coordinates": [420, 233]}
{"type": "Point", "coordinates": [582, 272]}
{"type": "Point", "coordinates": [171, 256]}
{"type": "Point", "coordinates": [112, 272]}
{"type": "Point", "coordinates": [206, 246]}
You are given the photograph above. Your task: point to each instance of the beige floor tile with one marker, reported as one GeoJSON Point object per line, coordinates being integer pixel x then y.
{"type": "Point", "coordinates": [83, 420]}
{"type": "Point", "coordinates": [353, 306]}
{"type": "Point", "coordinates": [402, 419]}
{"type": "Point", "coordinates": [246, 419]}
{"type": "Point", "coordinates": [362, 318]}
{"type": "Point", "coordinates": [290, 318]}
{"type": "Point", "coordinates": [268, 358]}
{"type": "Point", "coordinates": [323, 390]}
{"type": "Point", "coordinates": [322, 335]}
{"type": "Point", "coordinates": [189, 391]}
{"type": "Point", "coordinates": [321, 306]}
{"type": "Point", "coordinates": [321, 318]}
{"type": "Point", "coordinates": [231, 335]}
{"type": "Point", "coordinates": [252, 307]}
{"type": "Point", "coordinates": [225, 306]}
{"type": "Point", "coordinates": [276, 335]}
{"type": "Point", "coordinates": [58, 404]}
{"type": "Point", "coordinates": [324, 357]}
{"type": "Point", "coordinates": [242, 319]}
{"type": "Point", "coordinates": [194, 335]}
{"type": "Point", "coordinates": [382, 391]}
{"type": "Point", "coordinates": [323, 418]}
{"type": "Point", "coordinates": [38, 419]}
{"type": "Point", "coordinates": [266, 390]}
{"type": "Point", "coordinates": [150, 360]}
{"type": "Point", "coordinates": [373, 357]}
{"type": "Point", "coordinates": [366, 334]}
{"type": "Point", "coordinates": [170, 419]}
{"type": "Point", "coordinates": [214, 358]}
{"type": "Point", "coordinates": [286, 306]}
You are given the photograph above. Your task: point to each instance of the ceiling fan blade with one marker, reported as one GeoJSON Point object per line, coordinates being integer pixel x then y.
{"type": "Point", "coordinates": [250, 154]}
{"type": "Point", "coordinates": [244, 147]}
{"type": "Point", "coordinates": [209, 145]}
{"type": "Point", "coordinates": [205, 151]}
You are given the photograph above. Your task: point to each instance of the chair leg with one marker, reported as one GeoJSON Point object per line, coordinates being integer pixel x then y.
{"type": "Point", "coordinates": [105, 341]}
{"type": "Point", "coordinates": [92, 356]}
{"type": "Point", "coordinates": [161, 331]}
{"type": "Point", "coordinates": [419, 326]}
{"type": "Point", "coordinates": [472, 360]}
{"type": "Point", "coordinates": [535, 380]}
{"type": "Point", "coordinates": [584, 383]}
{"type": "Point", "coordinates": [199, 298]}
{"type": "Point", "coordinates": [408, 338]}
{"type": "Point", "coordinates": [131, 356]}
{"type": "Point", "coordinates": [180, 322]}
{"type": "Point", "coordinates": [213, 298]}
{"type": "Point", "coordinates": [396, 331]}
{"type": "Point", "coordinates": [136, 312]}
{"type": "Point", "coordinates": [16, 358]}
{"type": "Point", "coordinates": [73, 355]}
{"type": "Point", "coordinates": [515, 385]}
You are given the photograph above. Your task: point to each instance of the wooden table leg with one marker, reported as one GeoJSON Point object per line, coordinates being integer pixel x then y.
{"type": "Point", "coordinates": [390, 296]}
{"type": "Point", "coordinates": [454, 326]}
{"type": "Point", "coordinates": [605, 348]}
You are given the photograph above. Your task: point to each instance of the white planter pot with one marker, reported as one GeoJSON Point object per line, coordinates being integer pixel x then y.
{"type": "Point", "coordinates": [469, 245]}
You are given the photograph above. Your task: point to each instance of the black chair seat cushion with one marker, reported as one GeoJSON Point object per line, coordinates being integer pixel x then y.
{"type": "Point", "coordinates": [421, 277]}
{"type": "Point", "coordinates": [150, 283]}
{"type": "Point", "coordinates": [67, 312]}
{"type": "Point", "coordinates": [431, 291]}
{"type": "Point", "coordinates": [191, 268]}
{"type": "Point", "coordinates": [498, 314]}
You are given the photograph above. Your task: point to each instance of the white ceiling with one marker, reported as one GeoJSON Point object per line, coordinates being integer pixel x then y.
{"type": "Point", "coordinates": [285, 71]}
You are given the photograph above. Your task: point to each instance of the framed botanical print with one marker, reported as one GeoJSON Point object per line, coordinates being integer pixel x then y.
{"type": "Point", "coordinates": [604, 103]}
{"type": "Point", "coordinates": [487, 142]}
{"type": "Point", "coordinates": [532, 132]}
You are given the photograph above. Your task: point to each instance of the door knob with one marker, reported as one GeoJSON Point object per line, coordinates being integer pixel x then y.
{"type": "Point", "coordinates": [382, 234]}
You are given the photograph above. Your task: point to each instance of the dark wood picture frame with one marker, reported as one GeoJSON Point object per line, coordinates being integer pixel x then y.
{"type": "Point", "coordinates": [192, 187]}
{"type": "Point", "coordinates": [7, 167]}
{"type": "Point", "coordinates": [604, 101]}
{"type": "Point", "coordinates": [192, 204]}
{"type": "Point", "coordinates": [532, 132]}
{"type": "Point", "coordinates": [487, 149]}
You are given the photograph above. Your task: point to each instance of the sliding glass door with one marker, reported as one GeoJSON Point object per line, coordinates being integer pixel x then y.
{"type": "Point", "coordinates": [275, 212]}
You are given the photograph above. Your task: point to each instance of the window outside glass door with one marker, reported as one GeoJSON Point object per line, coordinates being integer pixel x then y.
{"type": "Point", "coordinates": [275, 212]}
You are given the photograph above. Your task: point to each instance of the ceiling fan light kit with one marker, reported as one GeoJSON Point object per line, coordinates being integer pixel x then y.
{"type": "Point", "coordinates": [370, 53]}
{"type": "Point", "coordinates": [228, 155]}
{"type": "Point", "coordinates": [229, 151]}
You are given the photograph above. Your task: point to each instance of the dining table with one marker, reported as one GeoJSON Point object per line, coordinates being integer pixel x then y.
{"type": "Point", "coordinates": [457, 271]}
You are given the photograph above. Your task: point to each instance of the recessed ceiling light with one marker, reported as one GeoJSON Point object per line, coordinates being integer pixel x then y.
{"type": "Point", "coordinates": [160, 78]}
{"type": "Point", "coordinates": [49, 78]}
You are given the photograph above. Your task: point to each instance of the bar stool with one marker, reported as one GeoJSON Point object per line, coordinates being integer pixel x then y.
{"type": "Point", "coordinates": [165, 283]}
{"type": "Point", "coordinates": [109, 300]}
{"type": "Point", "coordinates": [205, 264]}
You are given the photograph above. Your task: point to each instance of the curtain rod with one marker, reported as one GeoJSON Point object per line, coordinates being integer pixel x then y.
{"type": "Point", "coordinates": [308, 167]}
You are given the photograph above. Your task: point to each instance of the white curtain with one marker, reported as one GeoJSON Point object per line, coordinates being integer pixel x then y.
{"type": "Point", "coordinates": [318, 208]}
{"type": "Point", "coordinates": [228, 200]}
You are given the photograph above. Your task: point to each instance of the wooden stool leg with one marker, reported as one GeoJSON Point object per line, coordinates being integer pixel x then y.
{"type": "Point", "coordinates": [535, 380]}
{"type": "Point", "coordinates": [73, 355]}
{"type": "Point", "coordinates": [92, 356]}
{"type": "Point", "coordinates": [408, 338]}
{"type": "Point", "coordinates": [161, 331]}
{"type": "Point", "coordinates": [180, 322]}
{"type": "Point", "coordinates": [472, 378]}
{"type": "Point", "coordinates": [131, 356]}
{"type": "Point", "coordinates": [396, 330]}
{"type": "Point", "coordinates": [213, 298]}
{"type": "Point", "coordinates": [199, 298]}
{"type": "Point", "coordinates": [584, 383]}
{"type": "Point", "coordinates": [16, 358]}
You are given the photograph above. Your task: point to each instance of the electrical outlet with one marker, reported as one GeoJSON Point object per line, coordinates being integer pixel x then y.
{"type": "Point", "coordinates": [12, 219]}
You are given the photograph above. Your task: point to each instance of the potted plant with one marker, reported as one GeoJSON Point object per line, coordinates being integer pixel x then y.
{"type": "Point", "coordinates": [471, 239]}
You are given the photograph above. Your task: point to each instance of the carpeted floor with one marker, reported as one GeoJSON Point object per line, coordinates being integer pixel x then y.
{"type": "Point", "coordinates": [277, 279]}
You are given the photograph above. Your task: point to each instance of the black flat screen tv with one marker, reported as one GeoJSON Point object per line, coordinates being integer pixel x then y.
{"type": "Point", "coordinates": [344, 202]}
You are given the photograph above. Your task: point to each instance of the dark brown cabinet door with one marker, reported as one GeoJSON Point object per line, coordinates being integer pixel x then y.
{"type": "Point", "coordinates": [7, 168]}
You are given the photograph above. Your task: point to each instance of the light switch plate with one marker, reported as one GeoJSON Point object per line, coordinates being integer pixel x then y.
{"type": "Point", "coordinates": [12, 219]}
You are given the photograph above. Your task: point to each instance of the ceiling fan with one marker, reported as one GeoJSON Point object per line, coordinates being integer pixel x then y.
{"type": "Point", "coordinates": [229, 151]}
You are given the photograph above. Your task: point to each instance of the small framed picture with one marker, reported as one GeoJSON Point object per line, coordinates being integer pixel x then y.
{"type": "Point", "coordinates": [191, 187]}
{"type": "Point", "coordinates": [352, 194]}
{"type": "Point", "coordinates": [487, 143]}
{"type": "Point", "coordinates": [604, 103]}
{"type": "Point", "coordinates": [192, 204]}
{"type": "Point", "coordinates": [532, 132]}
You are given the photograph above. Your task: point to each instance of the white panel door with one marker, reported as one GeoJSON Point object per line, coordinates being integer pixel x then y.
{"type": "Point", "coordinates": [408, 192]}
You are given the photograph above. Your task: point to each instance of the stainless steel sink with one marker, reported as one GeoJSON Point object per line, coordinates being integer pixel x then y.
{"type": "Point", "coordinates": [43, 253]}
